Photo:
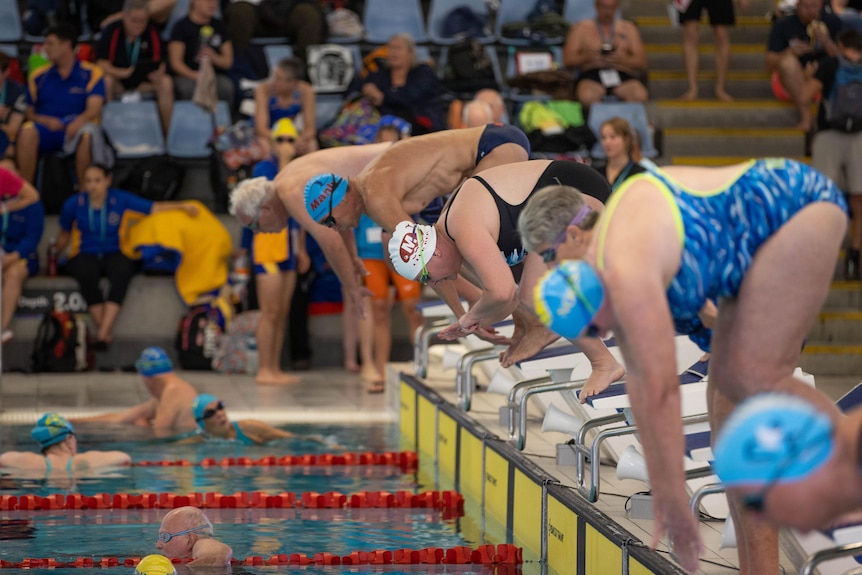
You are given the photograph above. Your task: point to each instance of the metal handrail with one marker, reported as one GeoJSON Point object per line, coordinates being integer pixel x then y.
{"type": "Point", "coordinates": [827, 555]}
{"type": "Point", "coordinates": [422, 341]}
{"type": "Point", "coordinates": [709, 489]}
{"type": "Point", "coordinates": [520, 440]}
{"type": "Point", "coordinates": [510, 401]}
{"type": "Point", "coordinates": [464, 383]}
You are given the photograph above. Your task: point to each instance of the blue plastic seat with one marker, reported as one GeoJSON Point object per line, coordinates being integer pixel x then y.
{"type": "Point", "coordinates": [437, 16]}
{"type": "Point", "coordinates": [517, 11]}
{"type": "Point", "coordinates": [578, 10]}
{"type": "Point", "coordinates": [633, 112]}
{"type": "Point", "coordinates": [326, 108]}
{"type": "Point", "coordinates": [10, 21]}
{"type": "Point", "coordinates": [385, 18]}
{"type": "Point", "coordinates": [192, 129]}
{"type": "Point", "coordinates": [134, 128]}
{"type": "Point", "coordinates": [276, 52]}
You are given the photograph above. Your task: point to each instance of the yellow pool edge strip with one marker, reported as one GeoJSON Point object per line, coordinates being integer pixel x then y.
{"type": "Point", "coordinates": [513, 495]}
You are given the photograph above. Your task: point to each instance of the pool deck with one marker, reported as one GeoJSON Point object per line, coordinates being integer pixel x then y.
{"type": "Point", "coordinates": [322, 396]}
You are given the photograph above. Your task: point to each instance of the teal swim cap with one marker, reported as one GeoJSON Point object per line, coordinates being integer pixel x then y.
{"type": "Point", "coordinates": [322, 193]}
{"type": "Point", "coordinates": [153, 361]}
{"type": "Point", "coordinates": [155, 565]}
{"type": "Point", "coordinates": [568, 297]}
{"type": "Point", "coordinates": [199, 405]}
{"type": "Point", "coordinates": [51, 428]}
{"type": "Point", "coordinates": [772, 437]}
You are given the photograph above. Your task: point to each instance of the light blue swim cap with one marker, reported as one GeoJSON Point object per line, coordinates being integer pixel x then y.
{"type": "Point", "coordinates": [153, 361]}
{"type": "Point", "coordinates": [51, 428]}
{"type": "Point", "coordinates": [318, 191]}
{"type": "Point", "coordinates": [199, 405]}
{"type": "Point", "coordinates": [772, 437]}
{"type": "Point", "coordinates": [568, 297]}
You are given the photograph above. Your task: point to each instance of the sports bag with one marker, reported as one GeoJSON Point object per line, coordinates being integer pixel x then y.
{"type": "Point", "coordinates": [197, 338]}
{"type": "Point", "coordinates": [844, 106]}
{"type": "Point", "coordinates": [62, 344]}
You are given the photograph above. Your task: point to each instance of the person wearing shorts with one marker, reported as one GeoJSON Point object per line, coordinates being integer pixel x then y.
{"type": "Point", "coordinates": [375, 329]}
{"type": "Point", "coordinates": [721, 18]}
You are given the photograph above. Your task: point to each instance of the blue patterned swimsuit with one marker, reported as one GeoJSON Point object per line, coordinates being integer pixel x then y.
{"type": "Point", "coordinates": [721, 230]}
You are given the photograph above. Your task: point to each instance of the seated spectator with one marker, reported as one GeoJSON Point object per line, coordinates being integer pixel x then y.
{"type": "Point", "coordinates": [303, 21]}
{"type": "Point", "coordinates": [406, 88]}
{"type": "Point", "coordinates": [286, 95]}
{"type": "Point", "coordinates": [796, 43]}
{"type": "Point", "coordinates": [486, 107]}
{"type": "Point", "coordinates": [186, 533]}
{"type": "Point", "coordinates": [200, 35]}
{"type": "Point", "coordinates": [211, 417]}
{"type": "Point", "coordinates": [60, 457]}
{"type": "Point", "coordinates": [22, 230]}
{"type": "Point", "coordinates": [103, 13]}
{"type": "Point", "coordinates": [98, 214]}
{"type": "Point", "coordinates": [275, 261]}
{"type": "Point", "coordinates": [64, 100]}
{"type": "Point", "coordinates": [12, 106]}
{"type": "Point", "coordinates": [618, 144]}
{"type": "Point", "coordinates": [155, 565]}
{"type": "Point", "coordinates": [169, 412]}
{"type": "Point", "coordinates": [837, 152]}
{"type": "Point", "coordinates": [610, 56]}
{"type": "Point", "coordinates": [132, 55]}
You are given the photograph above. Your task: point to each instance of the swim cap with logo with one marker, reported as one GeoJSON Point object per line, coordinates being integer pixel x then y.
{"type": "Point", "coordinates": [155, 565]}
{"type": "Point", "coordinates": [568, 296]}
{"type": "Point", "coordinates": [410, 248]}
{"type": "Point", "coordinates": [153, 361]}
{"type": "Point", "coordinates": [772, 437]}
{"type": "Point", "coordinates": [51, 428]}
{"type": "Point", "coordinates": [318, 192]}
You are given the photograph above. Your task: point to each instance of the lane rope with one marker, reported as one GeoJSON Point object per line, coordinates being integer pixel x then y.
{"type": "Point", "coordinates": [406, 460]}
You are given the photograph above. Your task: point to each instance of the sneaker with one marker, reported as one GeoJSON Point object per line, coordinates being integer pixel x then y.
{"type": "Point", "coordinates": [6, 336]}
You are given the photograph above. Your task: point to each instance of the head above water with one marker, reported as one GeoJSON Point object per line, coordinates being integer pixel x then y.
{"type": "Point", "coordinates": [51, 429]}
{"type": "Point", "coordinates": [155, 565]}
{"type": "Point", "coordinates": [153, 361]}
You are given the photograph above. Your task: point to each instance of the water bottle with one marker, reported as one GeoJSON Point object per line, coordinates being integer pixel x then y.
{"type": "Point", "coordinates": [51, 260]}
{"type": "Point", "coordinates": [251, 355]}
{"type": "Point", "coordinates": [240, 276]}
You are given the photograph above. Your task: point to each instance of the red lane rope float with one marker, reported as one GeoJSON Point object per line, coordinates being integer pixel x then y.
{"type": "Point", "coordinates": [407, 460]}
{"type": "Point", "coordinates": [450, 502]}
{"type": "Point", "coordinates": [505, 553]}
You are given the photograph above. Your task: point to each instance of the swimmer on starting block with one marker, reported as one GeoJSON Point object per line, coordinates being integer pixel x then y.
{"type": "Point", "coordinates": [477, 236]}
{"type": "Point", "coordinates": [762, 239]}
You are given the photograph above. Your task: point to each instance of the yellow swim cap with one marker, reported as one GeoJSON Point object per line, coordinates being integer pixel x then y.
{"type": "Point", "coordinates": [155, 565]}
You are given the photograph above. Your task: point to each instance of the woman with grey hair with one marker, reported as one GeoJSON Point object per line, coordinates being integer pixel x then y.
{"type": "Point", "coordinates": [406, 88]}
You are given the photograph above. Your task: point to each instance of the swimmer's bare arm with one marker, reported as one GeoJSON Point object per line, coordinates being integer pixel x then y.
{"type": "Point", "coordinates": [20, 460]}
{"type": "Point", "coordinates": [140, 414]}
{"type": "Point", "coordinates": [209, 552]}
{"type": "Point", "coordinates": [383, 190]}
{"type": "Point", "coordinates": [262, 432]}
{"type": "Point", "coordinates": [105, 458]}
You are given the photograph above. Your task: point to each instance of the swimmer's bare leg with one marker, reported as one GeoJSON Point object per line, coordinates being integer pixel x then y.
{"type": "Point", "coordinates": [529, 338]}
{"type": "Point", "coordinates": [606, 369]}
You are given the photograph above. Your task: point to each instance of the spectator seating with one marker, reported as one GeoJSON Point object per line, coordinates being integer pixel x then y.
{"type": "Point", "coordinates": [10, 50]}
{"type": "Point", "coordinates": [134, 129]}
{"type": "Point", "coordinates": [437, 15]}
{"type": "Point", "coordinates": [578, 10]}
{"type": "Point", "coordinates": [192, 129]}
{"type": "Point", "coordinates": [327, 107]}
{"type": "Point", "coordinates": [385, 18]}
{"type": "Point", "coordinates": [516, 11]}
{"type": "Point", "coordinates": [10, 21]}
{"type": "Point", "coordinates": [180, 11]}
{"type": "Point", "coordinates": [276, 52]}
{"type": "Point", "coordinates": [633, 112]}
{"type": "Point", "coordinates": [490, 51]}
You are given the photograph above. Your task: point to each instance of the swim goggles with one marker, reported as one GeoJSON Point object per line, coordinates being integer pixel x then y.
{"type": "Point", "coordinates": [165, 537]}
{"type": "Point", "coordinates": [424, 277]}
{"type": "Point", "coordinates": [211, 411]}
{"type": "Point", "coordinates": [329, 221]}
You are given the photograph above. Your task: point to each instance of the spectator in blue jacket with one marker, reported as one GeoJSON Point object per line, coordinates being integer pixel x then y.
{"type": "Point", "coordinates": [20, 232]}
{"type": "Point", "coordinates": [98, 213]}
{"type": "Point", "coordinates": [64, 100]}
{"type": "Point", "coordinates": [406, 88]}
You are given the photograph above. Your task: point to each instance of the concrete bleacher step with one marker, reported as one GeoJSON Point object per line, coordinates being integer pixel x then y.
{"type": "Point", "coordinates": [823, 358]}
{"type": "Point", "coordinates": [658, 9]}
{"type": "Point", "coordinates": [838, 326]}
{"type": "Point", "coordinates": [670, 57]}
{"type": "Point", "coordinates": [748, 113]}
{"type": "Point", "coordinates": [720, 141]}
{"type": "Point", "coordinates": [844, 295]}
{"type": "Point", "coordinates": [657, 30]}
{"type": "Point", "coordinates": [744, 84]}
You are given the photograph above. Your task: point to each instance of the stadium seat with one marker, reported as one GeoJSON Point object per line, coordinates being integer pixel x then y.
{"type": "Point", "coordinates": [517, 11]}
{"type": "Point", "coordinates": [276, 52]}
{"type": "Point", "coordinates": [327, 107]}
{"type": "Point", "coordinates": [578, 10]}
{"type": "Point", "coordinates": [192, 129]}
{"type": "Point", "coordinates": [10, 21]}
{"type": "Point", "coordinates": [385, 18]}
{"type": "Point", "coordinates": [134, 129]}
{"type": "Point", "coordinates": [633, 112]}
{"type": "Point", "coordinates": [437, 16]}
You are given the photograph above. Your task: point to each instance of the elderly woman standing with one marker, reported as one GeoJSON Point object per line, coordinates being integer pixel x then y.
{"type": "Point", "coordinates": [406, 88]}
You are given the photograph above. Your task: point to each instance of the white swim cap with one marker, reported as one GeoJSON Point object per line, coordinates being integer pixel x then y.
{"type": "Point", "coordinates": [410, 248]}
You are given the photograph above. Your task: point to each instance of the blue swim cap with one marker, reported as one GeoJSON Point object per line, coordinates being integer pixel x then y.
{"type": "Point", "coordinates": [155, 565]}
{"type": "Point", "coordinates": [50, 429]}
{"type": "Point", "coordinates": [199, 405]}
{"type": "Point", "coordinates": [568, 297]}
{"type": "Point", "coordinates": [318, 191]}
{"type": "Point", "coordinates": [772, 437]}
{"type": "Point", "coordinates": [153, 361]}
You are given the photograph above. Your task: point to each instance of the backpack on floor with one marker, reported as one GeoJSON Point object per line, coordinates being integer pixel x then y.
{"type": "Point", "coordinates": [62, 344]}
{"type": "Point", "coordinates": [197, 338]}
{"type": "Point", "coordinates": [156, 178]}
{"type": "Point", "coordinates": [844, 106]}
